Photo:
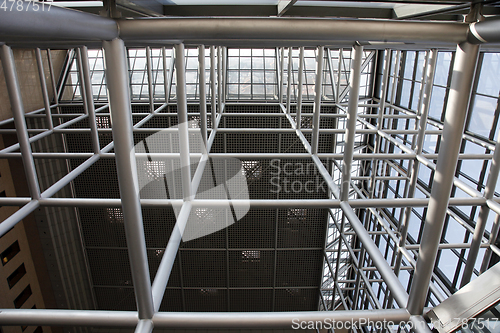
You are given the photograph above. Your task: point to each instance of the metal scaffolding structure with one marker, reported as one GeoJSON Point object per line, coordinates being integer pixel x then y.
{"type": "Point", "coordinates": [385, 227]}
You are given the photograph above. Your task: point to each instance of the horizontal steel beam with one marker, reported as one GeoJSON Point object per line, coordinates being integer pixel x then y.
{"type": "Point", "coordinates": [487, 31]}
{"type": "Point", "coordinates": [53, 23]}
{"type": "Point", "coordinates": [290, 29]}
{"type": "Point", "coordinates": [254, 203]}
{"type": "Point", "coordinates": [263, 156]}
{"type": "Point", "coordinates": [191, 320]}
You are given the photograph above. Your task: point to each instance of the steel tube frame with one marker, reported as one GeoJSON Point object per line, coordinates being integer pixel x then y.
{"type": "Point", "coordinates": [191, 320]}
{"type": "Point", "coordinates": [77, 25]}
{"type": "Point", "coordinates": [289, 80]}
{"type": "Point", "coordinates": [339, 75]}
{"type": "Point", "coordinates": [378, 259]}
{"type": "Point", "coordinates": [43, 86]}
{"type": "Point", "coordinates": [482, 219]}
{"type": "Point", "coordinates": [15, 218]}
{"type": "Point", "coordinates": [356, 157]}
{"type": "Point", "coordinates": [425, 161]}
{"type": "Point", "coordinates": [203, 94]}
{"type": "Point", "coordinates": [213, 85]}
{"type": "Point", "coordinates": [214, 203]}
{"type": "Point", "coordinates": [121, 113]}
{"type": "Point", "coordinates": [219, 78]}
{"type": "Point", "coordinates": [149, 72]}
{"type": "Point", "coordinates": [380, 116]}
{"type": "Point", "coordinates": [281, 74]}
{"type": "Point", "coordinates": [16, 102]}
{"type": "Point", "coordinates": [299, 88]}
{"type": "Point", "coordinates": [183, 122]}
{"type": "Point", "coordinates": [360, 273]}
{"type": "Point", "coordinates": [71, 24]}
{"type": "Point", "coordinates": [89, 97]}
{"type": "Point", "coordinates": [385, 270]}
{"type": "Point", "coordinates": [429, 82]}
{"type": "Point", "coordinates": [166, 75]}
{"type": "Point", "coordinates": [350, 131]}
{"type": "Point", "coordinates": [388, 227]}
{"type": "Point", "coordinates": [317, 100]}
{"type": "Point", "coordinates": [291, 29]}
{"type": "Point", "coordinates": [357, 52]}
{"type": "Point", "coordinates": [224, 74]}
{"type": "Point", "coordinates": [493, 236]}
{"type": "Point", "coordinates": [456, 110]}
{"type": "Point", "coordinates": [344, 205]}
{"type": "Point", "coordinates": [52, 77]}
{"type": "Point", "coordinates": [167, 262]}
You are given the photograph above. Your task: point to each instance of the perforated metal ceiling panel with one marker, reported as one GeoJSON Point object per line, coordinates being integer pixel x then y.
{"type": "Point", "coordinates": [269, 260]}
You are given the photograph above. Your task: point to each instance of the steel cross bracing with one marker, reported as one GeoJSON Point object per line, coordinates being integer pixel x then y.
{"type": "Point", "coordinates": [359, 273]}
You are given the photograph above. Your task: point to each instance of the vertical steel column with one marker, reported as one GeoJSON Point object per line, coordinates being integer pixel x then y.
{"type": "Point", "coordinates": [493, 236]}
{"type": "Point", "coordinates": [352, 112]}
{"type": "Point", "coordinates": [16, 103]}
{"type": "Point", "coordinates": [282, 71]}
{"type": "Point", "coordinates": [81, 81]}
{"type": "Point", "coordinates": [166, 85]}
{"type": "Point", "coordinates": [52, 76]}
{"type": "Point", "coordinates": [277, 67]}
{"type": "Point", "coordinates": [377, 257]}
{"type": "Point", "coordinates": [219, 77]}
{"type": "Point", "coordinates": [144, 326]}
{"type": "Point", "coordinates": [89, 97]}
{"type": "Point", "coordinates": [43, 86]}
{"type": "Point", "coordinates": [330, 71]}
{"type": "Point", "coordinates": [299, 93]}
{"type": "Point", "coordinates": [357, 54]}
{"type": "Point", "coordinates": [213, 85]}
{"type": "Point", "coordinates": [66, 68]}
{"type": "Point", "coordinates": [150, 80]}
{"type": "Point", "coordinates": [426, 99]}
{"type": "Point", "coordinates": [289, 81]}
{"type": "Point", "coordinates": [482, 219]}
{"type": "Point", "coordinates": [339, 75]}
{"type": "Point", "coordinates": [456, 111]}
{"type": "Point", "coordinates": [383, 95]}
{"type": "Point", "coordinates": [167, 261]}
{"type": "Point", "coordinates": [121, 116]}
{"type": "Point", "coordinates": [414, 138]}
{"type": "Point", "coordinates": [380, 119]}
{"type": "Point", "coordinates": [224, 74]}
{"type": "Point", "coordinates": [203, 93]}
{"type": "Point", "coordinates": [422, 86]}
{"type": "Point", "coordinates": [395, 76]}
{"type": "Point", "coordinates": [317, 100]}
{"type": "Point", "coordinates": [180, 70]}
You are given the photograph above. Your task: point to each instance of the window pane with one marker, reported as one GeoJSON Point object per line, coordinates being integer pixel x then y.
{"type": "Point", "coordinates": [437, 102]}
{"type": "Point", "coordinates": [410, 63]}
{"type": "Point", "coordinates": [442, 68]}
{"type": "Point", "coordinates": [489, 79]}
{"type": "Point", "coordinates": [483, 115]}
